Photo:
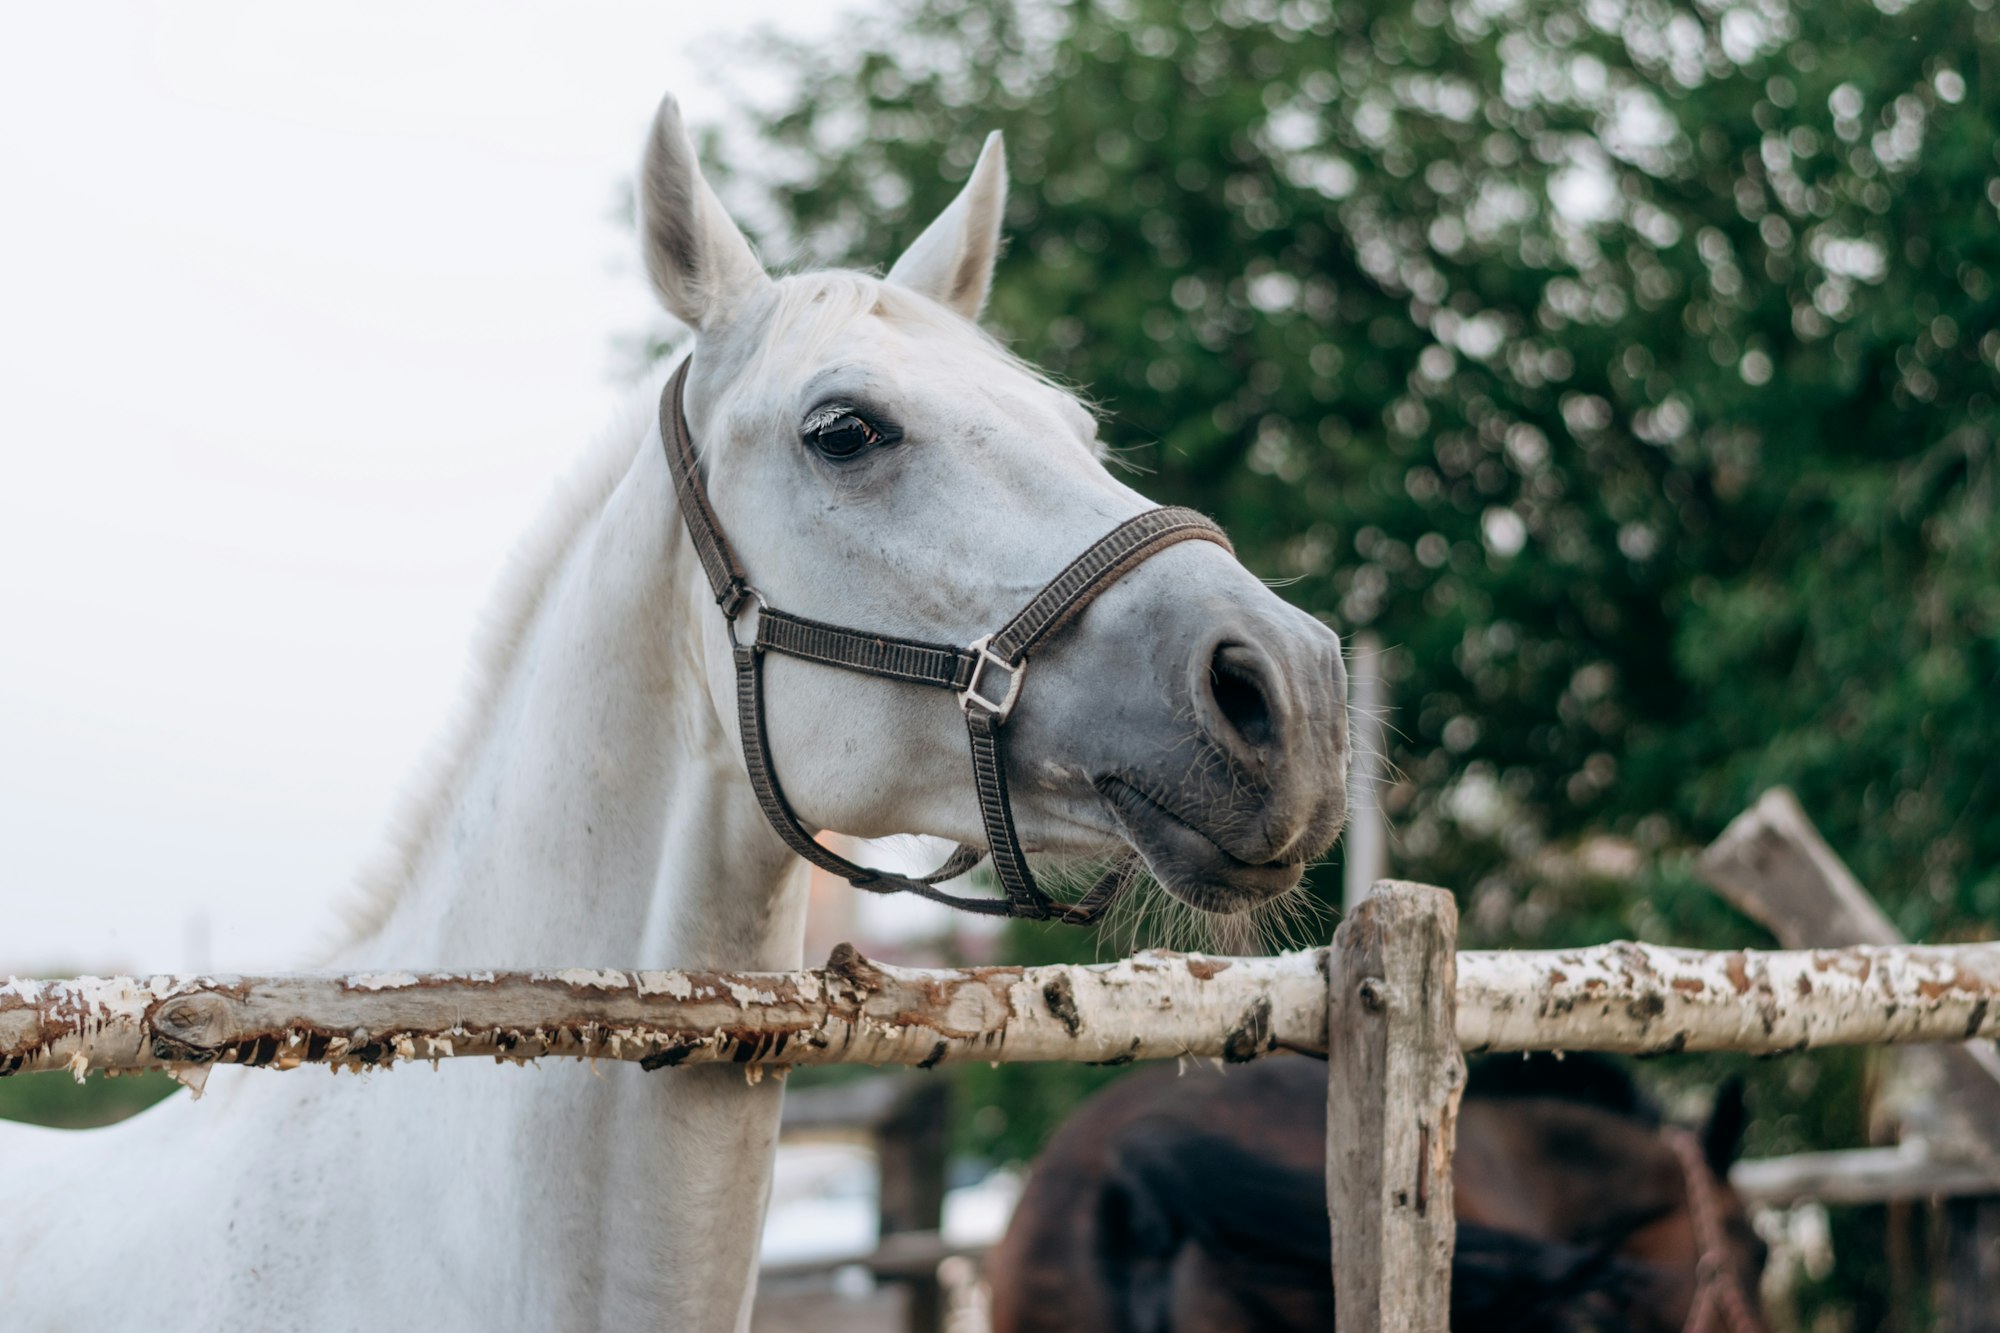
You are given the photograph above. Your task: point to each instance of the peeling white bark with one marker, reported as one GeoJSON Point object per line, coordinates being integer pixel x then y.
{"type": "Point", "coordinates": [1647, 1000]}
{"type": "Point", "coordinates": [1776, 868]}
{"type": "Point", "coordinates": [1616, 997]}
{"type": "Point", "coordinates": [852, 1011]}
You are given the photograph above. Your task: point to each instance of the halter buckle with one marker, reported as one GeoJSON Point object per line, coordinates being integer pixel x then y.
{"type": "Point", "coordinates": [983, 655]}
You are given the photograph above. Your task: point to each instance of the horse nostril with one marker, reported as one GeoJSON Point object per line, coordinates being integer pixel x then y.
{"type": "Point", "coordinates": [1236, 683]}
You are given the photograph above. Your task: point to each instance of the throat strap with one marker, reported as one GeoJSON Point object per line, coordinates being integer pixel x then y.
{"type": "Point", "coordinates": [936, 664]}
{"type": "Point", "coordinates": [986, 675]}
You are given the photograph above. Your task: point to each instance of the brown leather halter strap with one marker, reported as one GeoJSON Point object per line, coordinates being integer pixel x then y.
{"type": "Point", "coordinates": [1719, 1301]}
{"type": "Point", "coordinates": [986, 675]}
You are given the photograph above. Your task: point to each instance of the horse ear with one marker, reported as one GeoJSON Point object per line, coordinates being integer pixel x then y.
{"type": "Point", "coordinates": [1722, 1136]}
{"type": "Point", "coordinates": [952, 262]}
{"type": "Point", "coordinates": [699, 262]}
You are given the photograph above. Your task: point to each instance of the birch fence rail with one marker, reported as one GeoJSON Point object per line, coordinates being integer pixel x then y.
{"type": "Point", "coordinates": [1635, 998]}
{"type": "Point", "coordinates": [1390, 1003]}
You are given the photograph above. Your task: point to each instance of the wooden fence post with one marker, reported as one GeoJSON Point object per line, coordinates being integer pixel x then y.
{"type": "Point", "coordinates": [1968, 1290]}
{"type": "Point", "coordinates": [1364, 844]}
{"type": "Point", "coordinates": [1394, 1075]}
{"type": "Point", "coordinates": [910, 1147]}
{"type": "Point", "coordinates": [1772, 863]}
{"type": "Point", "coordinates": [1776, 868]}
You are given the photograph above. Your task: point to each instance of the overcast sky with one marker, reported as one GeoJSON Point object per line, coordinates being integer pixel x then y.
{"type": "Point", "coordinates": [301, 311]}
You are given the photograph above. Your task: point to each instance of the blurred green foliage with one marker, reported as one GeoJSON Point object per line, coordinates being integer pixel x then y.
{"type": "Point", "coordinates": [60, 1101]}
{"type": "Point", "coordinates": [1629, 366]}
{"type": "Point", "coordinates": [1670, 492]}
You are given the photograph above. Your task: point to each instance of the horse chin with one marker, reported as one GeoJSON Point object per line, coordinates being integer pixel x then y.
{"type": "Point", "coordinates": [1189, 863]}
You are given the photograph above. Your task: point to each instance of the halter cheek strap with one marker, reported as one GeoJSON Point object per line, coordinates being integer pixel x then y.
{"type": "Point", "coordinates": [986, 675]}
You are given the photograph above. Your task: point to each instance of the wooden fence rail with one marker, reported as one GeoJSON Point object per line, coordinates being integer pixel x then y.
{"type": "Point", "coordinates": [1397, 1003]}
{"type": "Point", "coordinates": [1615, 997]}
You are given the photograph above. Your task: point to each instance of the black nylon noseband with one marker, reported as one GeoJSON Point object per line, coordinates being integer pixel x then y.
{"type": "Point", "coordinates": [987, 677]}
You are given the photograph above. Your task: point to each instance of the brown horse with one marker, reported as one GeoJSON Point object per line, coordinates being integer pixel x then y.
{"type": "Point", "coordinates": [1198, 1205]}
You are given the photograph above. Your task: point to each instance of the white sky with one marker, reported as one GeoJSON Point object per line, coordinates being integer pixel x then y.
{"type": "Point", "coordinates": [301, 310]}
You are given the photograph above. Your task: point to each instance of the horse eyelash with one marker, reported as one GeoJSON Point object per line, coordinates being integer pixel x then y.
{"type": "Point", "coordinates": [825, 415]}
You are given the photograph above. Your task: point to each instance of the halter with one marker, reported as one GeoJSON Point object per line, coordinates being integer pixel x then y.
{"type": "Point", "coordinates": [986, 675]}
{"type": "Point", "coordinates": [1718, 1297]}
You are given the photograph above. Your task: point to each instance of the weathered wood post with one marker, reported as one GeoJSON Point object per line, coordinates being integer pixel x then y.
{"type": "Point", "coordinates": [1364, 844]}
{"type": "Point", "coordinates": [906, 1117]}
{"type": "Point", "coordinates": [1394, 1075]}
{"type": "Point", "coordinates": [1772, 863]}
{"type": "Point", "coordinates": [1776, 868]}
{"type": "Point", "coordinates": [1967, 1287]}
{"type": "Point", "coordinates": [910, 1146]}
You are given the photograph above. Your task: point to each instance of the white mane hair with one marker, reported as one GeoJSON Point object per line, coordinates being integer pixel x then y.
{"type": "Point", "coordinates": [518, 592]}
{"type": "Point", "coordinates": [816, 308]}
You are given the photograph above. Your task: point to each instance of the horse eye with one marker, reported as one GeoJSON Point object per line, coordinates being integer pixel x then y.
{"type": "Point", "coordinates": [840, 434]}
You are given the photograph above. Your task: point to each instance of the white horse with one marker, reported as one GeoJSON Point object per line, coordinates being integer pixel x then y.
{"type": "Point", "coordinates": [595, 811]}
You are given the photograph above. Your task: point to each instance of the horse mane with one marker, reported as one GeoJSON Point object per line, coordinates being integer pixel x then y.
{"type": "Point", "coordinates": [815, 309]}
{"type": "Point", "coordinates": [518, 594]}
{"type": "Point", "coordinates": [1582, 1078]}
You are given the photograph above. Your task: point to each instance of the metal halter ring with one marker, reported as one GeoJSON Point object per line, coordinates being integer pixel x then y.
{"type": "Point", "coordinates": [729, 615]}
{"type": "Point", "coordinates": [1016, 672]}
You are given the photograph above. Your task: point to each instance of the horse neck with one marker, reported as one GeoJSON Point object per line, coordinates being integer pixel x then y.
{"type": "Point", "coordinates": [603, 817]}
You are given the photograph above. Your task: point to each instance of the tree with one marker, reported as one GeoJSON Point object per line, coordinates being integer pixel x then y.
{"type": "Point", "coordinates": [1629, 366]}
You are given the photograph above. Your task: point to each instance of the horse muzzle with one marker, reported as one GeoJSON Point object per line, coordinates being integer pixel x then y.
{"type": "Point", "coordinates": [1231, 772]}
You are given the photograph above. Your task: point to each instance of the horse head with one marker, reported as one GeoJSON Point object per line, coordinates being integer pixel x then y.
{"type": "Point", "coordinates": [1670, 1248]}
{"type": "Point", "coordinates": [876, 460]}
